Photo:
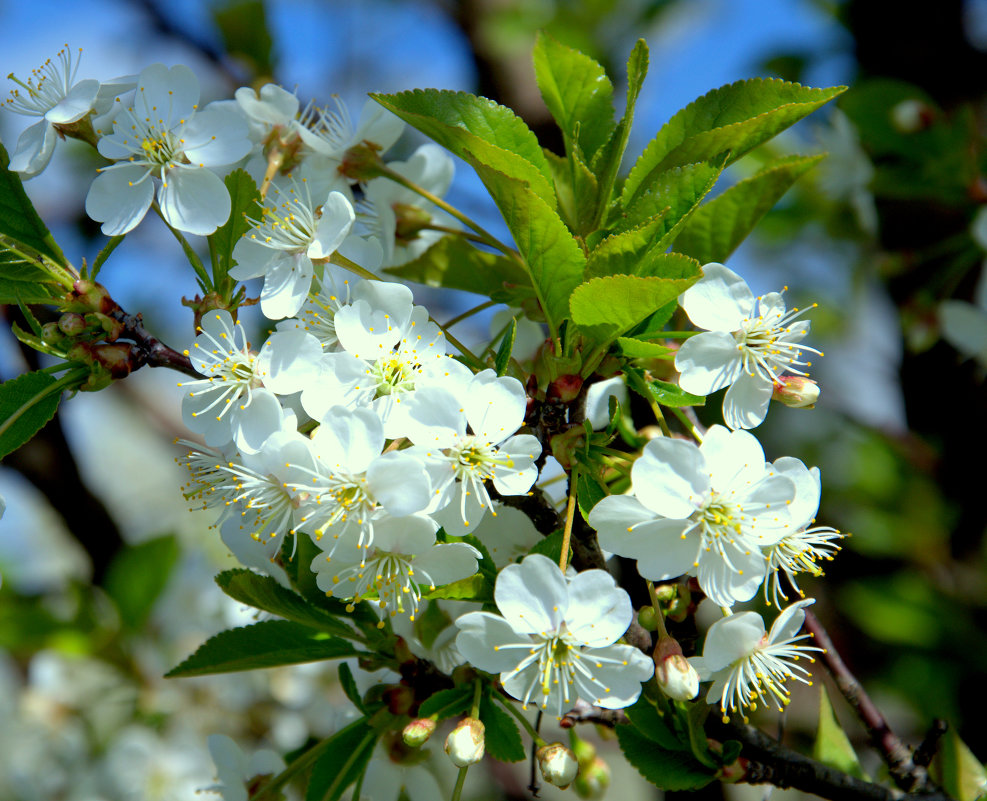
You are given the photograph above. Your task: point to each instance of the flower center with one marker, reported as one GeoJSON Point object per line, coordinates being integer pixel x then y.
{"type": "Point", "coordinates": [161, 149]}
{"type": "Point", "coordinates": [288, 224]}
{"type": "Point", "coordinates": [769, 343]}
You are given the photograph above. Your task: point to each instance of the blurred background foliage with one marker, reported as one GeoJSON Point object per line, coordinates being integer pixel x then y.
{"type": "Point", "coordinates": [107, 580]}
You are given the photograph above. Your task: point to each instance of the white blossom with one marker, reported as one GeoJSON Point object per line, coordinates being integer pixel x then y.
{"type": "Point", "coordinates": [705, 511]}
{"type": "Point", "coordinates": [745, 663]}
{"type": "Point", "coordinates": [53, 94]}
{"type": "Point", "coordinates": [553, 642]}
{"type": "Point", "coordinates": [301, 222]}
{"type": "Point", "coordinates": [393, 571]}
{"type": "Point", "coordinates": [164, 137]}
{"type": "Point", "coordinates": [471, 436]}
{"type": "Point", "coordinates": [749, 343]}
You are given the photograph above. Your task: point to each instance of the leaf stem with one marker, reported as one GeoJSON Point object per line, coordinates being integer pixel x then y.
{"type": "Point", "coordinates": [340, 260]}
{"type": "Point", "coordinates": [190, 253]}
{"type": "Point", "coordinates": [460, 781]}
{"type": "Point", "coordinates": [302, 763]}
{"type": "Point", "coordinates": [643, 389]}
{"type": "Point", "coordinates": [469, 313]}
{"type": "Point", "coordinates": [536, 738]}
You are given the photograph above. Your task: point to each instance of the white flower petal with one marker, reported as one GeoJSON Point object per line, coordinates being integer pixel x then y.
{"type": "Point", "coordinates": [746, 403]}
{"type": "Point", "coordinates": [76, 104]}
{"type": "Point", "coordinates": [532, 596]}
{"type": "Point", "coordinates": [670, 477]}
{"type": "Point", "coordinates": [34, 149]}
{"type": "Point", "coordinates": [708, 362]}
{"type": "Point", "coordinates": [119, 198]}
{"type": "Point", "coordinates": [719, 301]}
{"type": "Point", "coordinates": [194, 200]}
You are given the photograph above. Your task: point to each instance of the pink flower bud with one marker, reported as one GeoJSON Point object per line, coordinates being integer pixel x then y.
{"type": "Point", "coordinates": [796, 391]}
{"type": "Point", "coordinates": [558, 764]}
{"type": "Point", "coordinates": [416, 733]}
{"type": "Point", "coordinates": [465, 743]}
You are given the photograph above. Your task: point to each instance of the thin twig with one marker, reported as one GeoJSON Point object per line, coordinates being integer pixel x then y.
{"type": "Point", "coordinates": [906, 774]}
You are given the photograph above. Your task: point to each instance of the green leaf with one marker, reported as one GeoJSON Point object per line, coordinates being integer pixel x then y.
{"type": "Point", "coordinates": [553, 258]}
{"type": "Point", "coordinates": [348, 683]}
{"type": "Point", "coordinates": [577, 91]}
{"type": "Point", "coordinates": [648, 721]}
{"type": "Point", "coordinates": [716, 229]}
{"type": "Point", "coordinates": [605, 308]}
{"type": "Point", "coordinates": [269, 643]}
{"type": "Point", "coordinates": [19, 220]}
{"type": "Point", "coordinates": [550, 546]}
{"type": "Point", "coordinates": [263, 592]}
{"type": "Point", "coordinates": [342, 762]}
{"type": "Point", "coordinates": [666, 393]}
{"type": "Point", "coordinates": [506, 347]}
{"type": "Point", "coordinates": [502, 739]}
{"type": "Point", "coordinates": [606, 163]}
{"type": "Point", "coordinates": [589, 492]}
{"type": "Point", "coordinates": [477, 130]}
{"type": "Point", "coordinates": [27, 403]}
{"type": "Point", "coordinates": [673, 198]}
{"type": "Point", "coordinates": [733, 118]}
{"type": "Point", "coordinates": [475, 588]}
{"type": "Point", "coordinates": [958, 770]}
{"type": "Point", "coordinates": [447, 703]}
{"type": "Point", "coordinates": [138, 575]}
{"type": "Point", "coordinates": [243, 27]}
{"type": "Point", "coordinates": [832, 747]}
{"type": "Point", "coordinates": [454, 263]}
{"type": "Point", "coordinates": [669, 770]}
{"type": "Point", "coordinates": [244, 197]}
{"type": "Point", "coordinates": [639, 349]}
{"type": "Point", "coordinates": [24, 282]}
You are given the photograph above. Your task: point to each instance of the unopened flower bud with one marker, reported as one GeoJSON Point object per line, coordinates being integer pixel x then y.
{"type": "Point", "coordinates": [558, 764]}
{"type": "Point", "coordinates": [120, 358]}
{"type": "Point", "coordinates": [564, 389]}
{"type": "Point", "coordinates": [465, 743]}
{"type": "Point", "coordinates": [676, 677]}
{"type": "Point", "coordinates": [796, 391]}
{"type": "Point", "coordinates": [647, 618]}
{"type": "Point", "coordinates": [51, 333]}
{"type": "Point", "coordinates": [416, 733]}
{"type": "Point", "coordinates": [71, 324]}
{"type": "Point", "coordinates": [593, 779]}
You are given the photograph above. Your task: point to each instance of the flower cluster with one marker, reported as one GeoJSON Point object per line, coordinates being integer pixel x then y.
{"type": "Point", "coordinates": [357, 424]}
